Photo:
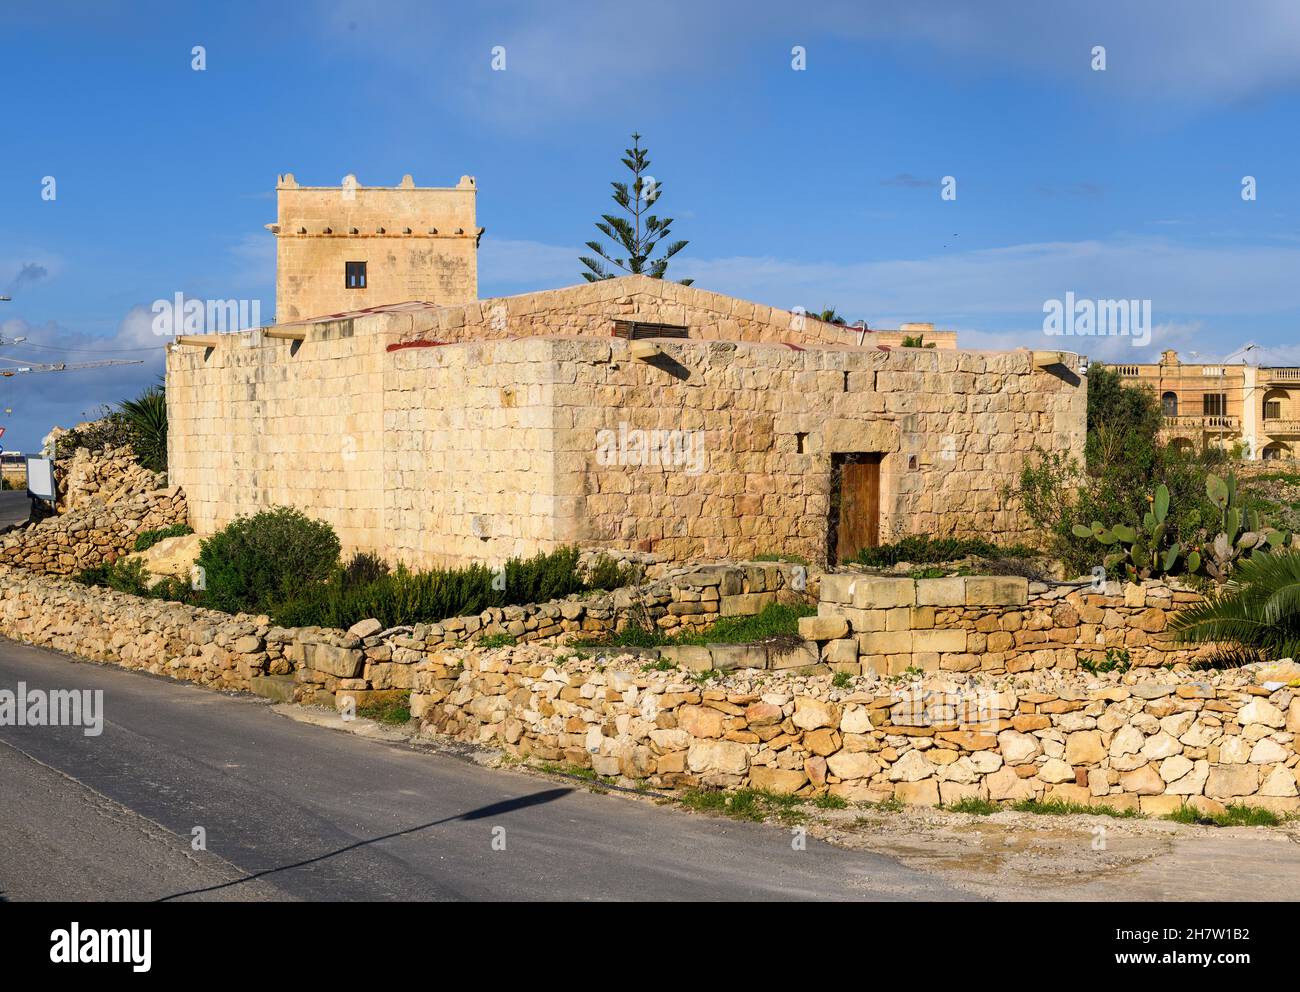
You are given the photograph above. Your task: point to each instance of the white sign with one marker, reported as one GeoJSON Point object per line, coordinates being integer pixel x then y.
{"type": "Point", "coordinates": [40, 477]}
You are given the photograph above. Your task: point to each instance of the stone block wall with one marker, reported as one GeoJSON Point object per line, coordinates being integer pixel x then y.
{"type": "Point", "coordinates": [591, 308]}
{"type": "Point", "coordinates": [756, 427]}
{"type": "Point", "coordinates": [419, 243]}
{"type": "Point", "coordinates": [429, 452]}
{"type": "Point", "coordinates": [891, 625]}
{"type": "Point", "coordinates": [259, 422]}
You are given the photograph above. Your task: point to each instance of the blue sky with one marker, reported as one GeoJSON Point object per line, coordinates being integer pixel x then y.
{"type": "Point", "coordinates": [816, 188]}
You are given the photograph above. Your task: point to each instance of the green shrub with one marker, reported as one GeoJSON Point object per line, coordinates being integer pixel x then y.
{"type": "Point", "coordinates": [394, 711]}
{"type": "Point", "coordinates": [1124, 463]}
{"type": "Point", "coordinates": [775, 621]}
{"type": "Point", "coordinates": [786, 559]}
{"type": "Point", "coordinates": [149, 538]}
{"type": "Point", "coordinates": [255, 563]}
{"type": "Point", "coordinates": [363, 590]}
{"type": "Point", "coordinates": [606, 573]}
{"type": "Point", "coordinates": [111, 430]}
{"type": "Point", "coordinates": [1234, 815]}
{"type": "Point", "coordinates": [124, 575]}
{"type": "Point", "coordinates": [921, 549]}
{"type": "Point", "coordinates": [364, 567]}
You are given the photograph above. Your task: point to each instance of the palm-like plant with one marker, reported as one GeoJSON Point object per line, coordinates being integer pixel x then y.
{"type": "Point", "coordinates": [146, 418]}
{"type": "Point", "coordinates": [828, 316]}
{"type": "Point", "coordinates": [1259, 609]}
{"type": "Point", "coordinates": [637, 238]}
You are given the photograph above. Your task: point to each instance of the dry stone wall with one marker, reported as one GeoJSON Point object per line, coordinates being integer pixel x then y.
{"type": "Point", "coordinates": [314, 664]}
{"type": "Point", "coordinates": [108, 500]}
{"type": "Point", "coordinates": [1149, 739]}
{"type": "Point", "coordinates": [108, 475]}
{"type": "Point", "coordinates": [997, 624]}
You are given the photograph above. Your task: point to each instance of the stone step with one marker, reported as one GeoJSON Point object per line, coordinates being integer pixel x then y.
{"type": "Point", "coordinates": [277, 687]}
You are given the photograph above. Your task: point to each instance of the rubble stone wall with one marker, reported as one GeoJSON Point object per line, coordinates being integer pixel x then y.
{"type": "Point", "coordinates": [1150, 738]}
{"type": "Point", "coordinates": [107, 500]}
{"type": "Point", "coordinates": [1149, 741]}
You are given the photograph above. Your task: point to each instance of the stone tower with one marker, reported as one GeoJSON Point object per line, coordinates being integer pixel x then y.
{"type": "Point", "coordinates": [349, 247]}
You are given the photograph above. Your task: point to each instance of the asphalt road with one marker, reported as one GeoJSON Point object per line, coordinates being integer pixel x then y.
{"type": "Point", "coordinates": [294, 811]}
{"type": "Point", "coordinates": [15, 507]}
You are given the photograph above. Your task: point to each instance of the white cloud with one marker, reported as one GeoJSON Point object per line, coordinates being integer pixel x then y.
{"type": "Point", "coordinates": [562, 58]}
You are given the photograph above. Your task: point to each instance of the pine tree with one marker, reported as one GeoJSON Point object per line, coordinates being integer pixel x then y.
{"type": "Point", "coordinates": [638, 237]}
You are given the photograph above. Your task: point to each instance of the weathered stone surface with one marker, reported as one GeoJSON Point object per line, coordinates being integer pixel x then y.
{"type": "Point", "coordinates": [852, 765]}
{"type": "Point", "coordinates": [1160, 745]}
{"type": "Point", "coordinates": [1005, 785]}
{"type": "Point", "coordinates": [1278, 781]}
{"type": "Point", "coordinates": [823, 628]}
{"type": "Point", "coordinates": [333, 660]}
{"type": "Point", "coordinates": [729, 757]}
{"type": "Point", "coordinates": [1055, 770]}
{"type": "Point", "coordinates": [811, 713]}
{"type": "Point", "coordinates": [365, 628]}
{"type": "Point", "coordinates": [925, 793]}
{"type": "Point", "coordinates": [777, 779]}
{"type": "Point", "coordinates": [1234, 751]}
{"type": "Point", "coordinates": [1261, 711]}
{"type": "Point", "coordinates": [1017, 748]}
{"type": "Point", "coordinates": [1232, 781]}
{"type": "Point", "coordinates": [911, 767]}
{"type": "Point", "coordinates": [1268, 752]}
{"type": "Point", "coordinates": [1144, 781]}
{"type": "Point", "coordinates": [701, 721]}
{"type": "Point", "coordinates": [1084, 748]}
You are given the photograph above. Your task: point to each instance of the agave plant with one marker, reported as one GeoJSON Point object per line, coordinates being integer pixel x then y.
{"type": "Point", "coordinates": [146, 418]}
{"type": "Point", "coordinates": [1258, 610]}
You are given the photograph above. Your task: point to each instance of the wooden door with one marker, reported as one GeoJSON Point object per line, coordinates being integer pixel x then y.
{"type": "Point", "coordinates": [859, 517]}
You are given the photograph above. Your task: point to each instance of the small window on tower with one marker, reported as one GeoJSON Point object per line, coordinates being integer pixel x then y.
{"type": "Point", "coordinates": [355, 275]}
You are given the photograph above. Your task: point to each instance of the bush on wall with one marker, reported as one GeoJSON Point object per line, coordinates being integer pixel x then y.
{"type": "Point", "coordinates": [286, 565]}
{"type": "Point", "coordinates": [255, 562]}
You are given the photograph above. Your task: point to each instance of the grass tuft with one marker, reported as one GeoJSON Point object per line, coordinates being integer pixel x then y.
{"type": "Point", "coordinates": [977, 807]}
{"type": "Point", "coordinates": [1059, 807]}
{"type": "Point", "coordinates": [1236, 815]}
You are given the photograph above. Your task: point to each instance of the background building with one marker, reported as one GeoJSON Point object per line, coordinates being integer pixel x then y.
{"type": "Point", "coordinates": [1228, 405]}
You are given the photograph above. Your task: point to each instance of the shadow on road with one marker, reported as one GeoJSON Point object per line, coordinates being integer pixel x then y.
{"type": "Point", "coordinates": [483, 812]}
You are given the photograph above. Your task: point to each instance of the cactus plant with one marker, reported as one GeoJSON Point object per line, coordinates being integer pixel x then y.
{"type": "Point", "coordinates": [1241, 532]}
{"type": "Point", "coordinates": [1141, 551]}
